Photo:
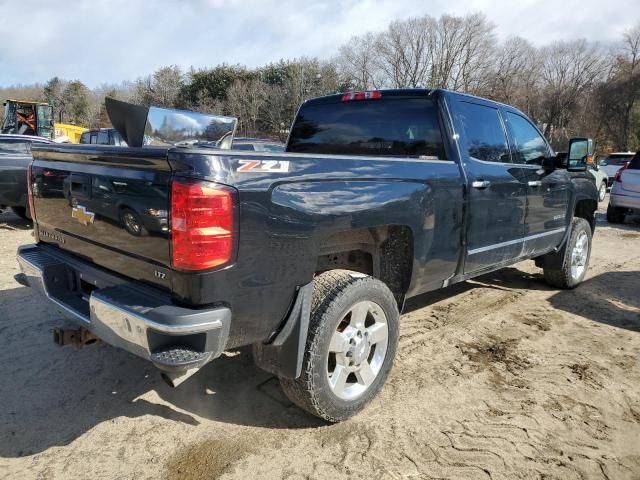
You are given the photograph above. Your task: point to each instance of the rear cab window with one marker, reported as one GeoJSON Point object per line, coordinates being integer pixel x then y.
{"type": "Point", "coordinates": [392, 126]}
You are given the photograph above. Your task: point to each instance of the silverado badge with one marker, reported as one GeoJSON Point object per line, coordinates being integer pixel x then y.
{"type": "Point", "coordinates": [81, 214]}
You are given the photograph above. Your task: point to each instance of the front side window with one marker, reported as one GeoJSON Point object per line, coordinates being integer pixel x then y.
{"type": "Point", "coordinates": [531, 149]}
{"type": "Point", "coordinates": [484, 133]}
{"type": "Point", "coordinates": [103, 137]}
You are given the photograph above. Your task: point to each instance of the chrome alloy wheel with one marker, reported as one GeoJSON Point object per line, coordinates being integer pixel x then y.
{"type": "Point", "coordinates": [357, 350]}
{"type": "Point", "coordinates": [579, 256]}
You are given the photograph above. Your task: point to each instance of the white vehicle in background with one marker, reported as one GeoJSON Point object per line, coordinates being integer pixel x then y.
{"type": "Point", "coordinates": [625, 192]}
{"type": "Point", "coordinates": [613, 162]}
{"type": "Point", "coordinates": [602, 180]}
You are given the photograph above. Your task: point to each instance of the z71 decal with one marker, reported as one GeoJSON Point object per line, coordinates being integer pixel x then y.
{"type": "Point", "coordinates": [261, 166]}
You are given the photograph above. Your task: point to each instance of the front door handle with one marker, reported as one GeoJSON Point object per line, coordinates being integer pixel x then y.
{"type": "Point", "coordinates": [480, 184]}
{"type": "Point", "coordinates": [534, 183]}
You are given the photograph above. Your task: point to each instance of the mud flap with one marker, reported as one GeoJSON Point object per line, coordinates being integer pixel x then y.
{"type": "Point", "coordinates": [283, 356]}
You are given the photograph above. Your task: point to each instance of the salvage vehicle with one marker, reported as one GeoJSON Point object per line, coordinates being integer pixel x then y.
{"type": "Point", "coordinates": [306, 255]}
{"type": "Point", "coordinates": [625, 193]}
{"type": "Point", "coordinates": [15, 156]}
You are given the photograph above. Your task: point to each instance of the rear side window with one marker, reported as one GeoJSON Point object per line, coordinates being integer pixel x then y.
{"type": "Point", "coordinates": [635, 163]}
{"type": "Point", "coordinates": [484, 133]}
{"type": "Point", "coordinates": [84, 138]}
{"type": "Point", "coordinates": [398, 127]}
{"type": "Point", "coordinates": [103, 137]}
{"type": "Point", "coordinates": [530, 146]}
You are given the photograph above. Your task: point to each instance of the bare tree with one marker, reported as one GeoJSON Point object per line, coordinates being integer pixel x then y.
{"type": "Point", "coordinates": [569, 70]}
{"type": "Point", "coordinates": [515, 77]}
{"type": "Point", "coordinates": [403, 52]}
{"type": "Point", "coordinates": [356, 62]}
{"type": "Point", "coordinates": [160, 89]}
{"type": "Point", "coordinates": [246, 100]}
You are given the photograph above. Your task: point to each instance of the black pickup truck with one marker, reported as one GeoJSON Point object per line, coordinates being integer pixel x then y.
{"type": "Point", "coordinates": [310, 254]}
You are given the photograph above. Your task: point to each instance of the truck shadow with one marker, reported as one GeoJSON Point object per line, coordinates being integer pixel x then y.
{"type": "Point", "coordinates": [610, 298]}
{"type": "Point", "coordinates": [10, 221]}
{"type": "Point", "coordinates": [52, 395]}
{"type": "Point", "coordinates": [631, 222]}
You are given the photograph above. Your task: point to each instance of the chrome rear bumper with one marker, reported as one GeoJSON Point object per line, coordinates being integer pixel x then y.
{"type": "Point", "coordinates": [123, 313]}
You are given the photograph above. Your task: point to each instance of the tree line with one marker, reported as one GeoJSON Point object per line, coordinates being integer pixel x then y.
{"type": "Point", "coordinates": [569, 88]}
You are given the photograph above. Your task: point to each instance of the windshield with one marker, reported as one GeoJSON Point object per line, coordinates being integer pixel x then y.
{"type": "Point", "coordinates": [401, 127]}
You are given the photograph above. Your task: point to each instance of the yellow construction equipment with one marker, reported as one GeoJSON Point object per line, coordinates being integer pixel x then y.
{"type": "Point", "coordinates": [36, 118]}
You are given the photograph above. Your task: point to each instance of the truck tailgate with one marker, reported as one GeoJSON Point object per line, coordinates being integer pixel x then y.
{"type": "Point", "coordinates": [107, 205]}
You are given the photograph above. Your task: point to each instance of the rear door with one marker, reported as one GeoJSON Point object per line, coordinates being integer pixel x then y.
{"type": "Point", "coordinates": [547, 191]}
{"type": "Point", "coordinates": [497, 194]}
{"type": "Point", "coordinates": [630, 176]}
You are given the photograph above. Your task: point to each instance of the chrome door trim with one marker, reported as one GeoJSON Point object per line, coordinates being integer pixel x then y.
{"type": "Point", "coordinates": [516, 241]}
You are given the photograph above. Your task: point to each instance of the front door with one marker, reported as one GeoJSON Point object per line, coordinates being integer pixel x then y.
{"type": "Point", "coordinates": [547, 213]}
{"type": "Point", "coordinates": [496, 194]}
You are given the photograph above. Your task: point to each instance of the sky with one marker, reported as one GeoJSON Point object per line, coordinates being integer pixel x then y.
{"type": "Point", "coordinates": [100, 42]}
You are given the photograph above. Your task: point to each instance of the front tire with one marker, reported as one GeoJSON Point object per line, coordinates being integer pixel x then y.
{"type": "Point", "coordinates": [602, 191]}
{"type": "Point", "coordinates": [351, 344]}
{"type": "Point", "coordinates": [574, 255]}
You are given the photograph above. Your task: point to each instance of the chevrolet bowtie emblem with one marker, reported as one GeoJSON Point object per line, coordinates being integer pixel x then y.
{"type": "Point", "coordinates": [81, 214]}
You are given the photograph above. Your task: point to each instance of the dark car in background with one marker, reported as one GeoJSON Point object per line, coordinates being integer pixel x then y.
{"type": "Point", "coordinates": [103, 136]}
{"type": "Point", "coordinates": [257, 145]}
{"type": "Point", "coordinates": [15, 156]}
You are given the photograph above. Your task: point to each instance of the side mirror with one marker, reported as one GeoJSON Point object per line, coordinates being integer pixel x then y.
{"type": "Point", "coordinates": [580, 154]}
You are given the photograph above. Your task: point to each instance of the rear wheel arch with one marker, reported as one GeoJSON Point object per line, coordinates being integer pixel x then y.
{"type": "Point", "coordinates": [384, 252]}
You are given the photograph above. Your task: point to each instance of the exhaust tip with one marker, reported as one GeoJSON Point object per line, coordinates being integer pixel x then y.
{"type": "Point", "coordinates": [167, 380]}
{"type": "Point", "coordinates": [175, 379]}
{"type": "Point", "coordinates": [21, 278]}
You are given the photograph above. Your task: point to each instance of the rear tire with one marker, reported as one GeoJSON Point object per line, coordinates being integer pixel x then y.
{"type": "Point", "coordinates": [575, 256]}
{"type": "Point", "coordinates": [615, 215]}
{"type": "Point", "coordinates": [350, 347]}
{"type": "Point", "coordinates": [22, 212]}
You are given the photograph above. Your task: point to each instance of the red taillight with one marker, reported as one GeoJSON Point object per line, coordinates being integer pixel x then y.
{"type": "Point", "coordinates": [202, 224]}
{"type": "Point", "coordinates": [32, 210]}
{"type": "Point", "coordinates": [619, 172]}
{"type": "Point", "coordinates": [368, 95]}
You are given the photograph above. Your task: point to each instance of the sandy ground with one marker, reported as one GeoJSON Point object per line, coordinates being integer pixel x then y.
{"type": "Point", "coordinates": [501, 377]}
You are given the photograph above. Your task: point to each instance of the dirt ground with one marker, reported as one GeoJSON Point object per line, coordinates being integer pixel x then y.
{"type": "Point", "coordinates": [499, 378]}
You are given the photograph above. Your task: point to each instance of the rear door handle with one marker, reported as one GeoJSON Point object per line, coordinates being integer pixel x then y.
{"type": "Point", "coordinates": [480, 184]}
{"type": "Point", "coordinates": [534, 183]}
